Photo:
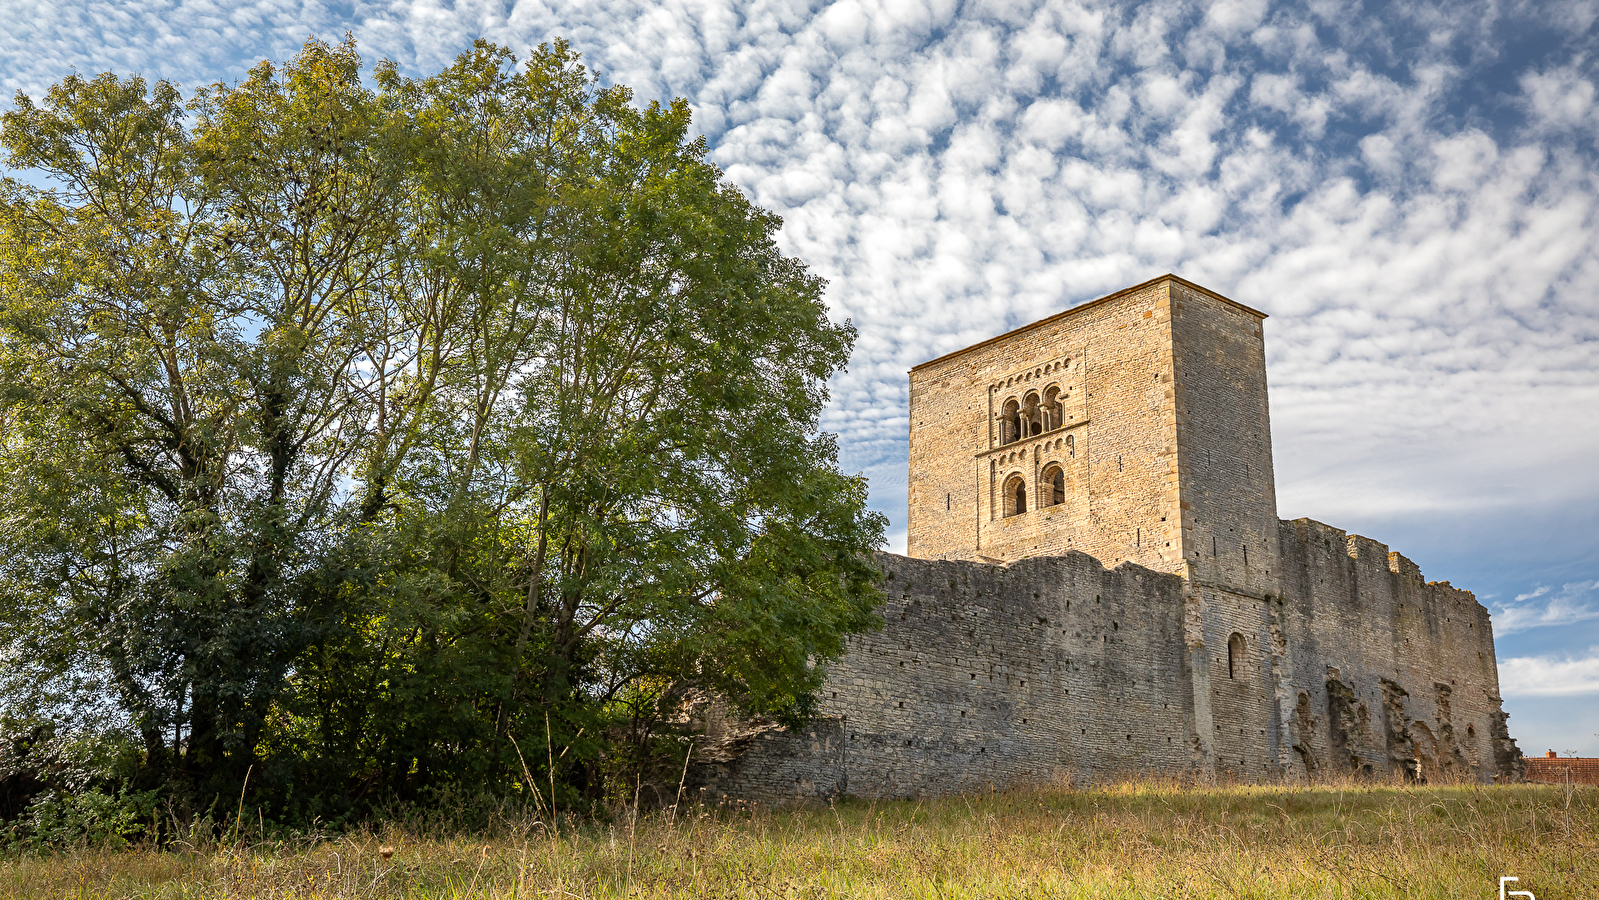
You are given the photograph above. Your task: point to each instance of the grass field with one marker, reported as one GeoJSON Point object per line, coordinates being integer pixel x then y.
{"type": "Point", "coordinates": [1135, 840]}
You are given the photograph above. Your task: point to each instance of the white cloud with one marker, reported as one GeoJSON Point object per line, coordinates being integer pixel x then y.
{"type": "Point", "coordinates": [1550, 676]}
{"type": "Point", "coordinates": [1576, 602]}
{"type": "Point", "coordinates": [1233, 18]}
{"type": "Point", "coordinates": [1273, 91]}
{"type": "Point", "coordinates": [1559, 99]}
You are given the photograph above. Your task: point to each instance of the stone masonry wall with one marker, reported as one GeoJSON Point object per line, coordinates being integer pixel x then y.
{"type": "Point", "coordinates": [1390, 672]}
{"type": "Point", "coordinates": [1056, 669]}
{"type": "Point", "coordinates": [1243, 739]}
{"type": "Point", "coordinates": [1223, 438]}
{"type": "Point", "coordinates": [1047, 670]}
{"type": "Point", "coordinates": [1228, 531]}
{"type": "Point", "coordinates": [769, 764]}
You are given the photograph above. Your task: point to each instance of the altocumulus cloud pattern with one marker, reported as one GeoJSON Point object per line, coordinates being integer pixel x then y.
{"type": "Point", "coordinates": [1408, 188]}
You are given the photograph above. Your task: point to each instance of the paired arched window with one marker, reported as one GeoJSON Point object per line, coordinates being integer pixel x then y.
{"type": "Point", "coordinates": [1010, 423]}
{"type": "Point", "coordinates": [1015, 496]}
{"type": "Point", "coordinates": [1235, 655]}
{"type": "Point", "coordinates": [1054, 486]}
{"type": "Point", "coordinates": [1032, 416]}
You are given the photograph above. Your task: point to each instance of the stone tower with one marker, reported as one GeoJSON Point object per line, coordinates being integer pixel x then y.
{"type": "Point", "coordinates": [1134, 427]}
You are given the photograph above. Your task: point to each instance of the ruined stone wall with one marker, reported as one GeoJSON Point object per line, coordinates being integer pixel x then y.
{"type": "Point", "coordinates": [1111, 360]}
{"type": "Point", "coordinates": [1055, 669]}
{"type": "Point", "coordinates": [1391, 673]}
{"type": "Point", "coordinates": [769, 764]}
{"type": "Point", "coordinates": [1238, 651]}
{"type": "Point", "coordinates": [1048, 670]}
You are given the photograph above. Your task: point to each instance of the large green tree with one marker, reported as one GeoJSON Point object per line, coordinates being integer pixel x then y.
{"type": "Point", "coordinates": [371, 432]}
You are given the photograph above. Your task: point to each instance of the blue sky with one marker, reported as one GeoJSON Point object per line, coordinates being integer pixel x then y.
{"type": "Point", "coordinates": [1409, 189]}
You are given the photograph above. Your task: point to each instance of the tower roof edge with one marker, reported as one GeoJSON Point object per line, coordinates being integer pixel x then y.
{"type": "Point", "coordinates": [1091, 303]}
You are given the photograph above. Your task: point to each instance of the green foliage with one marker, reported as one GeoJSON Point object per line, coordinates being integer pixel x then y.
{"type": "Point", "coordinates": [88, 817]}
{"type": "Point", "coordinates": [375, 439]}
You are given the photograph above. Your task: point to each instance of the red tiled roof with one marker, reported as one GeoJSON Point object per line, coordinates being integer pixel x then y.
{"type": "Point", "coordinates": [1555, 770]}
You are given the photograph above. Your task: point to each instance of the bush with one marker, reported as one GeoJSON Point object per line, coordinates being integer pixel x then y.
{"type": "Point", "coordinates": [55, 819]}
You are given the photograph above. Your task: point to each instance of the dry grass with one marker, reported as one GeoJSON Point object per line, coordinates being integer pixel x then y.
{"type": "Point", "coordinates": [1135, 840]}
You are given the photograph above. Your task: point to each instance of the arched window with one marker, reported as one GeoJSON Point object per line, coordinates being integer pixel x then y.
{"type": "Point", "coordinates": [1010, 423]}
{"type": "Point", "coordinates": [1071, 447]}
{"type": "Point", "coordinates": [1054, 486]}
{"type": "Point", "coordinates": [1235, 655]}
{"type": "Point", "coordinates": [1030, 416]}
{"type": "Point", "coordinates": [1015, 496]}
{"type": "Point", "coordinates": [1052, 410]}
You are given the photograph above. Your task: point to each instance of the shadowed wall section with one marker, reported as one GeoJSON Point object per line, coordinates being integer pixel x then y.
{"type": "Point", "coordinates": [960, 693]}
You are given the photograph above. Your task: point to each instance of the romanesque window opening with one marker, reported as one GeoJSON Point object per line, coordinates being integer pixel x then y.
{"type": "Point", "coordinates": [1052, 408]}
{"type": "Point", "coordinates": [1032, 416]}
{"type": "Point", "coordinates": [1054, 485]}
{"type": "Point", "coordinates": [1235, 655]}
{"type": "Point", "coordinates": [1010, 423]}
{"type": "Point", "coordinates": [1015, 496]}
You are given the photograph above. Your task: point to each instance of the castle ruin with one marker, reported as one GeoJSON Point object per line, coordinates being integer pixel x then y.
{"type": "Point", "coordinates": [1097, 585]}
